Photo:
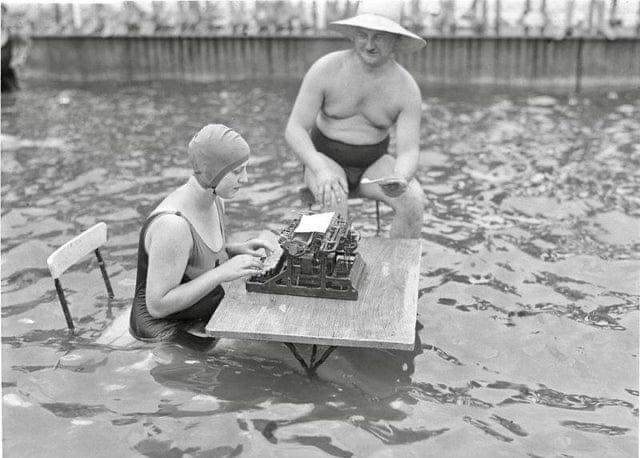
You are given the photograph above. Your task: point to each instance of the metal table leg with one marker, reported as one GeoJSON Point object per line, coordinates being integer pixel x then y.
{"type": "Point", "coordinates": [312, 366]}
{"type": "Point", "coordinates": [323, 358]}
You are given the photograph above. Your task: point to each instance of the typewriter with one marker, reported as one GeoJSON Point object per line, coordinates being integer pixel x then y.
{"type": "Point", "coordinates": [313, 264]}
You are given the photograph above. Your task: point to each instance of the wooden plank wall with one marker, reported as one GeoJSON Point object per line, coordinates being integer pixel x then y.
{"type": "Point", "coordinates": [518, 61]}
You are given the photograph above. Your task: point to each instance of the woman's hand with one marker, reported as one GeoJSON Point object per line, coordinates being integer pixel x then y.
{"type": "Point", "coordinates": [240, 266]}
{"type": "Point", "coordinates": [255, 247]}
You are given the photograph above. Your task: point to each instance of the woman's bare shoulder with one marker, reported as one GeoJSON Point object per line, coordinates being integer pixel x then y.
{"type": "Point", "coordinates": [170, 230]}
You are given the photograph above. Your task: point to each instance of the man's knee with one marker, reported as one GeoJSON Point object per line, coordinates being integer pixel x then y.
{"type": "Point", "coordinates": [412, 200]}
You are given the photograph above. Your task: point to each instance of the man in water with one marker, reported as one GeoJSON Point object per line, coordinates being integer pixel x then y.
{"type": "Point", "coordinates": [348, 102]}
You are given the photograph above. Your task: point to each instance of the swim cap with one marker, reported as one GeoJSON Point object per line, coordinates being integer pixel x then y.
{"type": "Point", "coordinates": [214, 151]}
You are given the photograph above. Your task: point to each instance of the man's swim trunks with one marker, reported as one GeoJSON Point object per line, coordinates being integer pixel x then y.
{"type": "Point", "coordinates": [354, 159]}
{"type": "Point", "coordinates": [173, 327]}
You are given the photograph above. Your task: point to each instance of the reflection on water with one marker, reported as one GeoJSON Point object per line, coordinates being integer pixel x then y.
{"type": "Point", "coordinates": [526, 342]}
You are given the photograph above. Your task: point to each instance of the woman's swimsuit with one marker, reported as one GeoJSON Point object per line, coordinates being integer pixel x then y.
{"type": "Point", "coordinates": [354, 159]}
{"type": "Point", "coordinates": [173, 327]}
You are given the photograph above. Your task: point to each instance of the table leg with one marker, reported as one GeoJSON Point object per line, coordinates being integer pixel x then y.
{"type": "Point", "coordinates": [313, 355]}
{"type": "Point", "coordinates": [300, 359]}
{"type": "Point", "coordinates": [313, 365]}
{"type": "Point", "coordinates": [323, 358]}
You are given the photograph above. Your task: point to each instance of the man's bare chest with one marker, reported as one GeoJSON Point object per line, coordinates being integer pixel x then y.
{"type": "Point", "coordinates": [348, 99]}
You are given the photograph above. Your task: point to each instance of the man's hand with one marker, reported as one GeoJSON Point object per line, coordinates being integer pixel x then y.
{"type": "Point", "coordinates": [331, 188]}
{"type": "Point", "coordinates": [393, 187]}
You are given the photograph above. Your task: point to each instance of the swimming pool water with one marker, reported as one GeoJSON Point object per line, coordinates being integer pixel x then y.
{"type": "Point", "coordinates": [527, 334]}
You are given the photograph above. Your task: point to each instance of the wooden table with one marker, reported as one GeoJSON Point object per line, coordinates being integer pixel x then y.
{"type": "Point", "coordinates": [384, 316]}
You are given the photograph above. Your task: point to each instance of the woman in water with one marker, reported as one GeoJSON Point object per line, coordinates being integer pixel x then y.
{"type": "Point", "coordinates": [183, 253]}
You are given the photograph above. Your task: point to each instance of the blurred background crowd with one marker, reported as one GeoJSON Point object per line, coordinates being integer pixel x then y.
{"type": "Point", "coordinates": [558, 18]}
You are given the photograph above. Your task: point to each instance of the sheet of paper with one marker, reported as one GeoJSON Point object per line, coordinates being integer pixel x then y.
{"type": "Point", "coordinates": [315, 223]}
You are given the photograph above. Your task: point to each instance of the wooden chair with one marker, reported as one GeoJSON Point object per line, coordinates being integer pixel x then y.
{"type": "Point", "coordinates": [70, 253]}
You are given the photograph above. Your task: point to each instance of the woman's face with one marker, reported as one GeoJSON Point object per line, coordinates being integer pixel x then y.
{"type": "Point", "coordinates": [230, 183]}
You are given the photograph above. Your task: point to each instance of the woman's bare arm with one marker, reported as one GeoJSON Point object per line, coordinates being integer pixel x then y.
{"type": "Point", "coordinates": [169, 243]}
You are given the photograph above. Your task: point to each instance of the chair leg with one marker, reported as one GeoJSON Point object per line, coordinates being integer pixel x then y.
{"type": "Point", "coordinates": [377, 217]}
{"type": "Point", "coordinates": [104, 274]}
{"type": "Point", "coordinates": [63, 303]}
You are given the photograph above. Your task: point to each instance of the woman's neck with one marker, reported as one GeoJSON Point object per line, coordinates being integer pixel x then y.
{"type": "Point", "coordinates": [201, 197]}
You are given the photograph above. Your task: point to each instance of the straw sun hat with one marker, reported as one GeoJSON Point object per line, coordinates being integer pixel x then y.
{"type": "Point", "coordinates": [382, 15]}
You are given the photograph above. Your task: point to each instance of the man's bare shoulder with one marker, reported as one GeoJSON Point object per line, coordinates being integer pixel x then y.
{"type": "Point", "coordinates": [406, 81]}
{"type": "Point", "coordinates": [329, 63]}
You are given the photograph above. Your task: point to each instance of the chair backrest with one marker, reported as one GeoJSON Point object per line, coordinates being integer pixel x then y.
{"type": "Point", "coordinates": [76, 248]}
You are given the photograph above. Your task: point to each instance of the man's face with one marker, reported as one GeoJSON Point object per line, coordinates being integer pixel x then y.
{"type": "Point", "coordinates": [374, 47]}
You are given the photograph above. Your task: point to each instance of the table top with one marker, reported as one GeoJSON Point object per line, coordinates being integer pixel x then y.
{"type": "Point", "coordinates": [384, 316]}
